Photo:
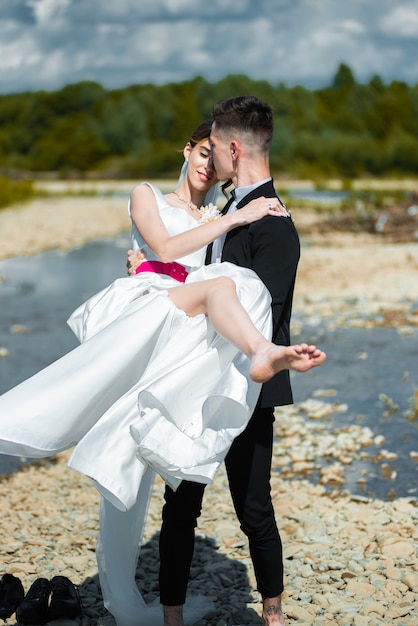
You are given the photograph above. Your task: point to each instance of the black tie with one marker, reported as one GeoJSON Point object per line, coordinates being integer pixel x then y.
{"type": "Point", "coordinates": [208, 258]}
{"type": "Point", "coordinates": [228, 204]}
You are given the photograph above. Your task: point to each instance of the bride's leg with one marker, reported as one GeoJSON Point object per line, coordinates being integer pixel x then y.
{"type": "Point", "coordinates": [217, 298]}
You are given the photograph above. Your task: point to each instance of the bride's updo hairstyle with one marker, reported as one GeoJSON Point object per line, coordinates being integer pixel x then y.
{"type": "Point", "coordinates": [200, 133]}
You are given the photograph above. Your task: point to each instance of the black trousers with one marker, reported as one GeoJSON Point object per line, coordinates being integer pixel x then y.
{"type": "Point", "coordinates": [248, 466]}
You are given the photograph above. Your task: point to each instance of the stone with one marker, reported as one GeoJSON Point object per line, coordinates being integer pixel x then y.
{"type": "Point", "coordinates": [394, 573]}
{"type": "Point", "coordinates": [398, 548]}
{"type": "Point", "coordinates": [360, 620]}
{"type": "Point", "coordinates": [300, 613]}
{"type": "Point", "coordinates": [410, 579]}
{"type": "Point", "coordinates": [358, 587]}
{"type": "Point", "coordinates": [374, 607]}
{"type": "Point", "coordinates": [395, 612]}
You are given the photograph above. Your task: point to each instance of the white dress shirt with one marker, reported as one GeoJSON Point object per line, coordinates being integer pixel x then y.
{"type": "Point", "coordinates": [238, 194]}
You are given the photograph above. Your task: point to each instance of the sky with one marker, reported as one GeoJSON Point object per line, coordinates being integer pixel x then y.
{"type": "Point", "coordinates": [47, 44]}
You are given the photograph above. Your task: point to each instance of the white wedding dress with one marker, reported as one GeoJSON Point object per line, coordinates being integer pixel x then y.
{"type": "Point", "coordinates": [148, 390]}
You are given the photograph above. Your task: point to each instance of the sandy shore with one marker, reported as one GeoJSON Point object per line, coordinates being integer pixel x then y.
{"type": "Point", "coordinates": [349, 560]}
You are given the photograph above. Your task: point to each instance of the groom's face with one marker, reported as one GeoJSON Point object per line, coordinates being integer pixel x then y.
{"type": "Point", "coordinates": [221, 154]}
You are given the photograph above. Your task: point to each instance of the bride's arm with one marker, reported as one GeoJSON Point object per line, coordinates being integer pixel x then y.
{"type": "Point", "coordinates": [146, 217]}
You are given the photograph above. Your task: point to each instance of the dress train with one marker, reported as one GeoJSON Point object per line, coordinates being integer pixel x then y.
{"type": "Point", "coordinates": [117, 560]}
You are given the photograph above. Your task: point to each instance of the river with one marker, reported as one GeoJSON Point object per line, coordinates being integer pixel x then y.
{"type": "Point", "coordinates": [39, 292]}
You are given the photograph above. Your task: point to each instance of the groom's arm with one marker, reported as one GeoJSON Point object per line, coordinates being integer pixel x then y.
{"type": "Point", "coordinates": [275, 252]}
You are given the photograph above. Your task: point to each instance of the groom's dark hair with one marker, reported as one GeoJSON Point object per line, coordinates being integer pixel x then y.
{"type": "Point", "coordinates": [245, 114]}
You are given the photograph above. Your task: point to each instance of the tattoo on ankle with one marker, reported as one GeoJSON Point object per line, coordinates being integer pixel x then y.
{"type": "Point", "coordinates": [272, 610]}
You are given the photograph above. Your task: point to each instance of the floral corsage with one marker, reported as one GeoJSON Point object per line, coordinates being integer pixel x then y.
{"type": "Point", "coordinates": [209, 213]}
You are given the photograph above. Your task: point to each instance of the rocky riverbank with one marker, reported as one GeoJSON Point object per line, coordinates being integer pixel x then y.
{"type": "Point", "coordinates": [348, 560]}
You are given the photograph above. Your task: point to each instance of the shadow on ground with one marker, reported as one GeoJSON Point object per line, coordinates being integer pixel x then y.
{"type": "Point", "coordinates": [213, 575]}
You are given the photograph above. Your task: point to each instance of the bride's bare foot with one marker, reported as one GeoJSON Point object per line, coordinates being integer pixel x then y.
{"type": "Point", "coordinates": [272, 612]}
{"type": "Point", "coordinates": [272, 359]}
{"type": "Point", "coordinates": [173, 615]}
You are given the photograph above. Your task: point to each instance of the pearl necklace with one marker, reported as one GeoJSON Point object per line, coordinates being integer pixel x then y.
{"type": "Point", "coordinates": [191, 206]}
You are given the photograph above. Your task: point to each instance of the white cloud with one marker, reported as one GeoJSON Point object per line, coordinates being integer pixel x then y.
{"type": "Point", "coordinates": [19, 54]}
{"type": "Point", "coordinates": [402, 21]}
{"type": "Point", "coordinates": [112, 30]}
{"type": "Point", "coordinates": [45, 44]}
{"type": "Point", "coordinates": [353, 27]}
{"type": "Point", "coordinates": [156, 10]}
{"type": "Point", "coordinates": [47, 11]}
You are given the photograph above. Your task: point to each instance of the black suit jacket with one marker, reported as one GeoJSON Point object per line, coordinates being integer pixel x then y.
{"type": "Point", "coordinates": [271, 248]}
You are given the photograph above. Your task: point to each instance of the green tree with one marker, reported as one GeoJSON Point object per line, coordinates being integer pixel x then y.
{"type": "Point", "coordinates": [344, 129]}
{"type": "Point", "coordinates": [343, 78]}
{"type": "Point", "coordinates": [69, 145]}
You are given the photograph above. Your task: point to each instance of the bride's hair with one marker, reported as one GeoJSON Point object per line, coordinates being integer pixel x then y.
{"type": "Point", "coordinates": [201, 133]}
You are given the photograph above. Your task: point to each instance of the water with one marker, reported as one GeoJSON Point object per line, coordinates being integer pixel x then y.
{"type": "Point", "coordinates": [362, 366]}
{"type": "Point", "coordinates": [39, 293]}
{"type": "Point", "coordinates": [321, 196]}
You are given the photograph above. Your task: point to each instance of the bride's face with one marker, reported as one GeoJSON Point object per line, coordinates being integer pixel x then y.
{"type": "Point", "coordinates": [201, 172]}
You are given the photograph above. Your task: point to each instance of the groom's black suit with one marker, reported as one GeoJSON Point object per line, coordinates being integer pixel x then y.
{"type": "Point", "coordinates": [270, 247]}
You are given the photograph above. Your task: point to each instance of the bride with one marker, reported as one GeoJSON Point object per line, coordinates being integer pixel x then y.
{"type": "Point", "coordinates": [167, 374]}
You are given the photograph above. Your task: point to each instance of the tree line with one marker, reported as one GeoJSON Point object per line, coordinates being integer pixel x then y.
{"type": "Point", "coordinates": [345, 129]}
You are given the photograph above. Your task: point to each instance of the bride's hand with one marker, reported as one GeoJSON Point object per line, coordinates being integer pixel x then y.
{"type": "Point", "coordinates": [134, 260]}
{"type": "Point", "coordinates": [258, 208]}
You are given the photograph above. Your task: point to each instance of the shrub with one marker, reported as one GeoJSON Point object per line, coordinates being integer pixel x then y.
{"type": "Point", "coordinates": [12, 191]}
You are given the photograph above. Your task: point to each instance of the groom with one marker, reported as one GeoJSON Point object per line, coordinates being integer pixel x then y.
{"type": "Point", "coordinates": [241, 136]}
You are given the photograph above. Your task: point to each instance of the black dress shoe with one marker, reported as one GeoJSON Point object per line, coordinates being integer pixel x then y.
{"type": "Point", "coordinates": [65, 599]}
{"type": "Point", "coordinates": [34, 608]}
{"type": "Point", "coordinates": [11, 595]}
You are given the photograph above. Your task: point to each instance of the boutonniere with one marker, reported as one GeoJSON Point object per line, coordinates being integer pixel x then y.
{"type": "Point", "coordinates": [209, 213]}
